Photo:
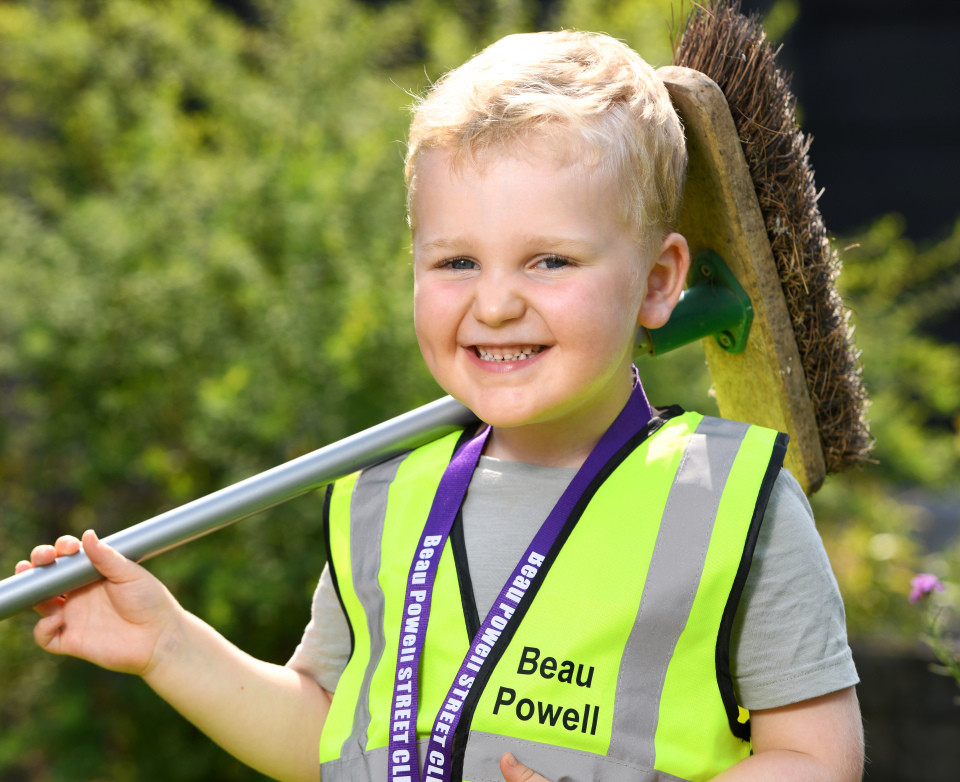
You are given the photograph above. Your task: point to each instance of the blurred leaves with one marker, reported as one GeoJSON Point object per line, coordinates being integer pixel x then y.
{"type": "Point", "coordinates": [204, 272]}
{"type": "Point", "coordinates": [202, 253]}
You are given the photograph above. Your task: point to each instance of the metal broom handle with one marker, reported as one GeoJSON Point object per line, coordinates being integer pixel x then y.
{"type": "Point", "coordinates": [240, 500]}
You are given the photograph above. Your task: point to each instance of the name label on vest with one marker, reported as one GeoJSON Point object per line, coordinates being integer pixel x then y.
{"type": "Point", "coordinates": [554, 715]}
{"type": "Point", "coordinates": [549, 668]}
{"type": "Point", "coordinates": [550, 713]}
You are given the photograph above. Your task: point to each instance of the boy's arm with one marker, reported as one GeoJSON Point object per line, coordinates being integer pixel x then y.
{"type": "Point", "coordinates": [818, 740]}
{"type": "Point", "coordinates": [268, 716]}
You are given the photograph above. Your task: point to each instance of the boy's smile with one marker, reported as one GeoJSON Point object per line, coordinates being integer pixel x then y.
{"type": "Point", "coordinates": [528, 289]}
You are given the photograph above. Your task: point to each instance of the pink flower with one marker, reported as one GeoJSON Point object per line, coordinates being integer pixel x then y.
{"type": "Point", "coordinates": [922, 585]}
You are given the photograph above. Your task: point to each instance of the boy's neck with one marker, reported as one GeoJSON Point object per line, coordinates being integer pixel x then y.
{"type": "Point", "coordinates": [545, 447]}
{"type": "Point", "coordinates": [564, 443]}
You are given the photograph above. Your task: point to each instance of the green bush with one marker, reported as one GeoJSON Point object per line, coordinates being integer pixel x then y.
{"type": "Point", "coordinates": [204, 272]}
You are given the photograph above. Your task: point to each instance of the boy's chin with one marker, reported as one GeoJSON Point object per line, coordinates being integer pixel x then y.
{"type": "Point", "coordinates": [516, 421]}
{"type": "Point", "coordinates": [503, 419]}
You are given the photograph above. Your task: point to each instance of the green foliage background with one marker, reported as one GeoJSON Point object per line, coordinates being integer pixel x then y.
{"type": "Point", "coordinates": [204, 271]}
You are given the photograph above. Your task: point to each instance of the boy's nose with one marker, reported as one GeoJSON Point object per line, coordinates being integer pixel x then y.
{"type": "Point", "coordinates": [496, 300]}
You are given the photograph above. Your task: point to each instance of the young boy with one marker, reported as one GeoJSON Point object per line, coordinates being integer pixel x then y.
{"type": "Point", "coordinates": [584, 560]}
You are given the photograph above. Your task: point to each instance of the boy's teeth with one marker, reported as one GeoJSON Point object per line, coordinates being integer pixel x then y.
{"type": "Point", "coordinates": [507, 354]}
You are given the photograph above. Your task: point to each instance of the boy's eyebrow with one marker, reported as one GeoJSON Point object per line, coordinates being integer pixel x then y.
{"type": "Point", "coordinates": [437, 244]}
{"type": "Point", "coordinates": [553, 243]}
{"type": "Point", "coordinates": [571, 244]}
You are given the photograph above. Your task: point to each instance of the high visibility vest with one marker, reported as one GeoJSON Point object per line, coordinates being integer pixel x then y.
{"type": "Point", "coordinates": [618, 669]}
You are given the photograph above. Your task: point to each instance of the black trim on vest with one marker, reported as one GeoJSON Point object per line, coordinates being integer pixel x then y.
{"type": "Point", "coordinates": [459, 739]}
{"type": "Point", "coordinates": [328, 494]}
{"type": "Point", "coordinates": [458, 547]}
{"type": "Point", "coordinates": [458, 544]}
{"type": "Point", "coordinates": [724, 680]}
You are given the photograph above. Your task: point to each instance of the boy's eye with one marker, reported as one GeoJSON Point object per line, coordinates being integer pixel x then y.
{"type": "Point", "coordinates": [553, 262]}
{"type": "Point", "coordinates": [459, 264]}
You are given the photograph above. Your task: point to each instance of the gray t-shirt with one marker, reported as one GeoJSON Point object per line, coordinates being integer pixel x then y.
{"type": "Point", "coordinates": [789, 640]}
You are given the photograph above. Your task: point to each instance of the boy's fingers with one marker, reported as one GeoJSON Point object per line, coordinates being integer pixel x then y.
{"type": "Point", "coordinates": [46, 630]}
{"type": "Point", "coordinates": [50, 607]}
{"type": "Point", "coordinates": [109, 562]}
{"type": "Point", "coordinates": [43, 554]}
{"type": "Point", "coordinates": [66, 545]}
{"type": "Point", "coordinates": [47, 607]}
{"type": "Point", "coordinates": [514, 771]}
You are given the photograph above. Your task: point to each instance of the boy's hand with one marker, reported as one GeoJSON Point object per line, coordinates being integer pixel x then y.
{"type": "Point", "coordinates": [116, 623]}
{"type": "Point", "coordinates": [514, 771]}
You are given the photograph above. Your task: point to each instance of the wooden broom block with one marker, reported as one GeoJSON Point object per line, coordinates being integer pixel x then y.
{"type": "Point", "coordinates": [764, 384]}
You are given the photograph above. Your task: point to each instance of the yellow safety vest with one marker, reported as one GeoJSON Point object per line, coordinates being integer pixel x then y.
{"type": "Point", "coordinates": [619, 667]}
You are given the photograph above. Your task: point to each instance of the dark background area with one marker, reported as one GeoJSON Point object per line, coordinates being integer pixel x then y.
{"type": "Point", "coordinates": [877, 84]}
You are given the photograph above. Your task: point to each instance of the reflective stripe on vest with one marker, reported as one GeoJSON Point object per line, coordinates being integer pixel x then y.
{"type": "Point", "coordinates": [615, 670]}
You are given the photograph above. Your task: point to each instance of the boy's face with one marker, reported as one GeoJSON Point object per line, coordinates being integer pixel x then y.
{"type": "Point", "coordinates": [528, 290]}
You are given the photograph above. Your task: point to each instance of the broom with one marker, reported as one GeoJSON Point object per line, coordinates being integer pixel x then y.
{"type": "Point", "coordinates": [764, 325]}
{"type": "Point", "coordinates": [732, 50]}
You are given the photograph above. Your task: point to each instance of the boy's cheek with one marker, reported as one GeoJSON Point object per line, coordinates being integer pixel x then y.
{"type": "Point", "coordinates": [437, 313]}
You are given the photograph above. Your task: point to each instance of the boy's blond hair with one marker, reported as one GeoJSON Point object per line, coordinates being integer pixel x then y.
{"type": "Point", "coordinates": [592, 95]}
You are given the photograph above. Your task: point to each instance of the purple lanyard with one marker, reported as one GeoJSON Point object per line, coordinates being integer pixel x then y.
{"type": "Point", "coordinates": [402, 760]}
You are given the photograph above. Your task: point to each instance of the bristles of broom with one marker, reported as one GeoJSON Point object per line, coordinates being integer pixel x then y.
{"type": "Point", "coordinates": [732, 50]}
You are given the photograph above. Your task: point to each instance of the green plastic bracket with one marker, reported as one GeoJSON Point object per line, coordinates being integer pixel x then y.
{"type": "Point", "coordinates": [714, 304]}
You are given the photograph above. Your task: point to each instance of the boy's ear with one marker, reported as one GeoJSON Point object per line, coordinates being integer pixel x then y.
{"type": "Point", "coordinates": [665, 281]}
